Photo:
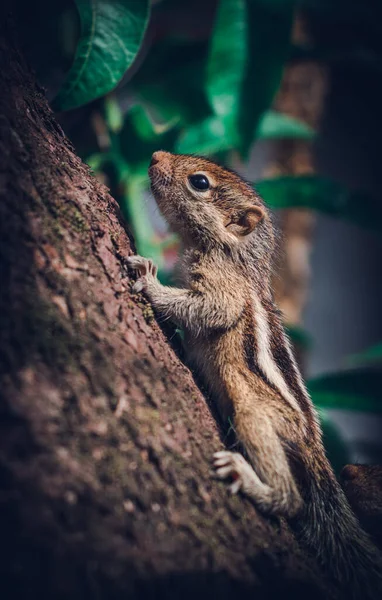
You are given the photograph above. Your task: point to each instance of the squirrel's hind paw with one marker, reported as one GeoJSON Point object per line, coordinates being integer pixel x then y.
{"type": "Point", "coordinates": [232, 465]}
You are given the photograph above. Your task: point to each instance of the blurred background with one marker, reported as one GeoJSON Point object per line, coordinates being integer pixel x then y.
{"type": "Point", "coordinates": [286, 92]}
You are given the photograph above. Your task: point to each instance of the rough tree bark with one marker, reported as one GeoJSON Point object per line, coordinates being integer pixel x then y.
{"type": "Point", "coordinates": [105, 441]}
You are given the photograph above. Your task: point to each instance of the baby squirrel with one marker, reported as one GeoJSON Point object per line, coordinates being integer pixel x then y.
{"type": "Point", "coordinates": [235, 338]}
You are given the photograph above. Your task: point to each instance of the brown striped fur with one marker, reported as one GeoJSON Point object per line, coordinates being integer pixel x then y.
{"type": "Point", "coordinates": [235, 338]}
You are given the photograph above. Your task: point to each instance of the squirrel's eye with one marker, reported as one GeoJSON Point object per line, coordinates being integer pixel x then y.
{"type": "Point", "coordinates": [199, 182]}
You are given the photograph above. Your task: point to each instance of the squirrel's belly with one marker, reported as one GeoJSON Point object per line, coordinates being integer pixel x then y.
{"type": "Point", "coordinates": [220, 359]}
{"type": "Point", "coordinates": [215, 351]}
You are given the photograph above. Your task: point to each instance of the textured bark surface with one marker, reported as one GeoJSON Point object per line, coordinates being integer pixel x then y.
{"type": "Point", "coordinates": [105, 440]}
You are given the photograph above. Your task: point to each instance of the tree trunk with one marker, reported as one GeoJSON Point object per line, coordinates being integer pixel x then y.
{"type": "Point", "coordinates": [105, 443]}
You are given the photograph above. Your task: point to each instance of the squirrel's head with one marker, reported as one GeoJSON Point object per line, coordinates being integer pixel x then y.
{"type": "Point", "coordinates": [205, 203]}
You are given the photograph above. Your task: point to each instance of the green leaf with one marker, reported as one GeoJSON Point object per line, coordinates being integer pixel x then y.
{"type": "Point", "coordinates": [269, 27]}
{"type": "Point", "coordinates": [276, 125]}
{"type": "Point", "coordinates": [168, 107]}
{"type": "Point", "coordinates": [146, 127]}
{"type": "Point", "coordinates": [357, 389]}
{"type": "Point", "coordinates": [111, 34]}
{"type": "Point", "coordinates": [142, 123]}
{"type": "Point", "coordinates": [113, 114]}
{"type": "Point", "coordinates": [370, 355]}
{"type": "Point", "coordinates": [138, 140]}
{"type": "Point", "coordinates": [170, 82]}
{"type": "Point", "coordinates": [227, 60]}
{"type": "Point", "coordinates": [208, 137]}
{"type": "Point", "coordinates": [318, 193]}
{"type": "Point", "coordinates": [249, 46]}
{"type": "Point", "coordinates": [96, 161]}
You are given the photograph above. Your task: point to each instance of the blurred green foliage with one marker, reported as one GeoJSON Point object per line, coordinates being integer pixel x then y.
{"type": "Point", "coordinates": [200, 77]}
{"type": "Point", "coordinates": [111, 33]}
{"type": "Point", "coordinates": [324, 195]}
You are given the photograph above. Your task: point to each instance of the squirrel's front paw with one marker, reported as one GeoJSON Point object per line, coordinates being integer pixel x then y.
{"type": "Point", "coordinates": [146, 269]}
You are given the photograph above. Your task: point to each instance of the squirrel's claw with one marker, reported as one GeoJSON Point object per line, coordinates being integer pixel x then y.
{"type": "Point", "coordinates": [235, 487]}
{"type": "Point", "coordinates": [138, 286]}
{"type": "Point", "coordinates": [145, 268]}
{"type": "Point", "coordinates": [234, 466]}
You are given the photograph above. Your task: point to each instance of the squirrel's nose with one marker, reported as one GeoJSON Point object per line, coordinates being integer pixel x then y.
{"type": "Point", "coordinates": [157, 157]}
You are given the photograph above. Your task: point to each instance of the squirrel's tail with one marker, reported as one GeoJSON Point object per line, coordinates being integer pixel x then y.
{"type": "Point", "coordinates": [332, 532]}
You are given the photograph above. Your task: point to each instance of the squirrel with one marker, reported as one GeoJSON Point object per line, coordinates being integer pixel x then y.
{"type": "Point", "coordinates": [234, 337]}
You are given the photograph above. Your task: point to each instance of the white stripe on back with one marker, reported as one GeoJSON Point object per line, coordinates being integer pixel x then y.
{"type": "Point", "coordinates": [265, 358]}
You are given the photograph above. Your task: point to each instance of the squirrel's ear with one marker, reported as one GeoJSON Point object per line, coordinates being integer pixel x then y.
{"type": "Point", "coordinates": [246, 220]}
